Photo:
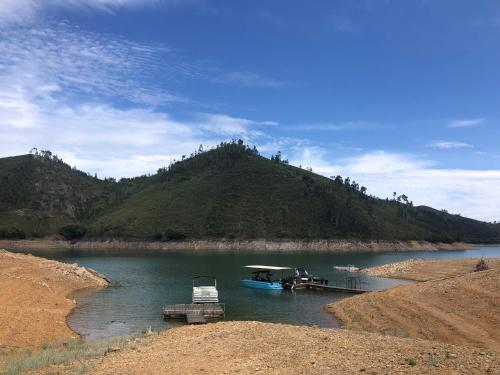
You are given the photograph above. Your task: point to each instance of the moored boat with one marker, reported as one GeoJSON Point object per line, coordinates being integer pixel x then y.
{"type": "Point", "coordinates": [348, 268]}
{"type": "Point", "coordinates": [205, 293]}
{"type": "Point", "coordinates": [301, 276]}
{"type": "Point", "coordinates": [262, 277]}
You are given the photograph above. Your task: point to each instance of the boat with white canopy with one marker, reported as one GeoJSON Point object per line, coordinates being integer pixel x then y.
{"type": "Point", "coordinates": [262, 277]}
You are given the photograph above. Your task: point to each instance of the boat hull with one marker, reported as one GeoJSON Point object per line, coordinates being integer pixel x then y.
{"type": "Point", "coordinates": [275, 285]}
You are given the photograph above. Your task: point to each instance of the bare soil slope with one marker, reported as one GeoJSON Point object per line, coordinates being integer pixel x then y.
{"type": "Point", "coordinates": [463, 310]}
{"type": "Point", "coordinates": [428, 269]}
{"type": "Point", "coordinates": [265, 348]}
{"type": "Point", "coordinates": [33, 299]}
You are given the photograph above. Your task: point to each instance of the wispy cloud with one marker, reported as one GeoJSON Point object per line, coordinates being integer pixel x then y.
{"type": "Point", "coordinates": [337, 126]}
{"type": "Point", "coordinates": [472, 193]}
{"type": "Point", "coordinates": [16, 11]}
{"type": "Point", "coordinates": [232, 126]}
{"type": "Point", "coordinates": [249, 79]}
{"type": "Point", "coordinates": [97, 100]}
{"type": "Point", "coordinates": [465, 123]}
{"type": "Point", "coordinates": [446, 145]}
{"type": "Point", "coordinates": [70, 62]}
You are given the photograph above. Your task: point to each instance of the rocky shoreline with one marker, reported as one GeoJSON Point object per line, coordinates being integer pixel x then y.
{"type": "Point", "coordinates": [258, 245]}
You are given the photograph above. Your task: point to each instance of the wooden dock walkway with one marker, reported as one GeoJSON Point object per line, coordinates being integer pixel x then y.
{"type": "Point", "coordinates": [328, 288]}
{"type": "Point", "coordinates": [194, 313]}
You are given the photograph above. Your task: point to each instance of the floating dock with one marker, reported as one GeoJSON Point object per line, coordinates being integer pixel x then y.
{"type": "Point", "coordinates": [328, 288]}
{"type": "Point", "coordinates": [194, 313]}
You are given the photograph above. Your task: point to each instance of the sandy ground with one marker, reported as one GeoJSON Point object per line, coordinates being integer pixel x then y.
{"type": "Point", "coordinates": [463, 310]}
{"type": "Point", "coordinates": [429, 269]}
{"type": "Point", "coordinates": [265, 348]}
{"type": "Point", "coordinates": [33, 299]}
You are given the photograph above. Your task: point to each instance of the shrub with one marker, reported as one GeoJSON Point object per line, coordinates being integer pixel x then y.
{"type": "Point", "coordinates": [72, 232]}
{"type": "Point", "coordinates": [481, 266]}
{"type": "Point", "coordinates": [174, 235]}
{"type": "Point", "coordinates": [12, 233]}
{"type": "Point", "coordinates": [411, 361]}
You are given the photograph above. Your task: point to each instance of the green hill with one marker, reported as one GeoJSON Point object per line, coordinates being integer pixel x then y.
{"type": "Point", "coordinates": [40, 193]}
{"type": "Point", "coordinates": [227, 192]}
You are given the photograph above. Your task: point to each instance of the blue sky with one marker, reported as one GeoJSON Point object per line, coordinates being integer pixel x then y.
{"type": "Point", "coordinates": [399, 95]}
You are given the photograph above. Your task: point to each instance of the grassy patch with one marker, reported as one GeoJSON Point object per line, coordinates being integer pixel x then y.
{"type": "Point", "coordinates": [411, 361]}
{"type": "Point", "coordinates": [395, 332]}
{"type": "Point", "coordinates": [61, 353]}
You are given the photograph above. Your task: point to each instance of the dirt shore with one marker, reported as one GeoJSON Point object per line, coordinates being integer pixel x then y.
{"type": "Point", "coordinates": [428, 269]}
{"type": "Point", "coordinates": [33, 299]}
{"type": "Point", "coordinates": [258, 245]}
{"type": "Point", "coordinates": [265, 348]}
{"type": "Point", "coordinates": [463, 309]}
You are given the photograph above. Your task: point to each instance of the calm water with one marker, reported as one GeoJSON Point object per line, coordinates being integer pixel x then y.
{"type": "Point", "coordinates": [148, 281]}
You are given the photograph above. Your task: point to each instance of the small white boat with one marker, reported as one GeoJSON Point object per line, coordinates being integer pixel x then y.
{"type": "Point", "coordinates": [348, 268]}
{"type": "Point", "coordinates": [205, 293]}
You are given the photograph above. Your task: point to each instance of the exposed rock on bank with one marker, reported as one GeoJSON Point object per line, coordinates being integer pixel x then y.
{"type": "Point", "coordinates": [33, 298]}
{"type": "Point", "coordinates": [241, 245]}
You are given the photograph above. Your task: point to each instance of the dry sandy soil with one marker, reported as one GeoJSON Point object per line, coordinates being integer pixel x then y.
{"type": "Point", "coordinates": [33, 299]}
{"type": "Point", "coordinates": [265, 348]}
{"type": "Point", "coordinates": [462, 310]}
{"type": "Point", "coordinates": [34, 306]}
{"type": "Point", "coordinates": [429, 269]}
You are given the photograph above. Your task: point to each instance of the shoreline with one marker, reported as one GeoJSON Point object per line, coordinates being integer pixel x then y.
{"type": "Point", "coordinates": [38, 299]}
{"type": "Point", "coordinates": [258, 245]}
{"type": "Point", "coordinates": [447, 302]}
{"type": "Point", "coordinates": [249, 347]}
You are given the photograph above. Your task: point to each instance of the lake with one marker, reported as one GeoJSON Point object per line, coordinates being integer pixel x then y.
{"type": "Point", "coordinates": [147, 281]}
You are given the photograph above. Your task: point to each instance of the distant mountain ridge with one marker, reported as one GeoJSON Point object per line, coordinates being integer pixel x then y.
{"type": "Point", "coordinates": [227, 192]}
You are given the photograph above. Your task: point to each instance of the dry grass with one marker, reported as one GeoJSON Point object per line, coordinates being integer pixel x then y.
{"type": "Point", "coordinates": [64, 352]}
{"type": "Point", "coordinates": [265, 348]}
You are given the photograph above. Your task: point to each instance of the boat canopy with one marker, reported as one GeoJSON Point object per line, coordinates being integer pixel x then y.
{"type": "Point", "coordinates": [274, 268]}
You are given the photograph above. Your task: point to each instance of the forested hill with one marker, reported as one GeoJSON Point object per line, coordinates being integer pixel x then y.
{"type": "Point", "coordinates": [227, 192]}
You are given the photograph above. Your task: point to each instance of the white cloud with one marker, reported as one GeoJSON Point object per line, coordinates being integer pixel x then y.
{"type": "Point", "coordinates": [472, 193]}
{"type": "Point", "coordinates": [116, 142]}
{"type": "Point", "coordinates": [232, 126]}
{"type": "Point", "coordinates": [446, 145]}
{"type": "Point", "coordinates": [465, 123]}
{"type": "Point", "coordinates": [15, 11]}
{"type": "Point", "coordinates": [48, 62]}
{"type": "Point", "coordinates": [58, 86]}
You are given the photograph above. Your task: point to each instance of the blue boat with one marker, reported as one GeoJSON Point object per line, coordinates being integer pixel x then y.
{"type": "Point", "coordinates": [262, 277]}
{"type": "Point", "coordinates": [274, 285]}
